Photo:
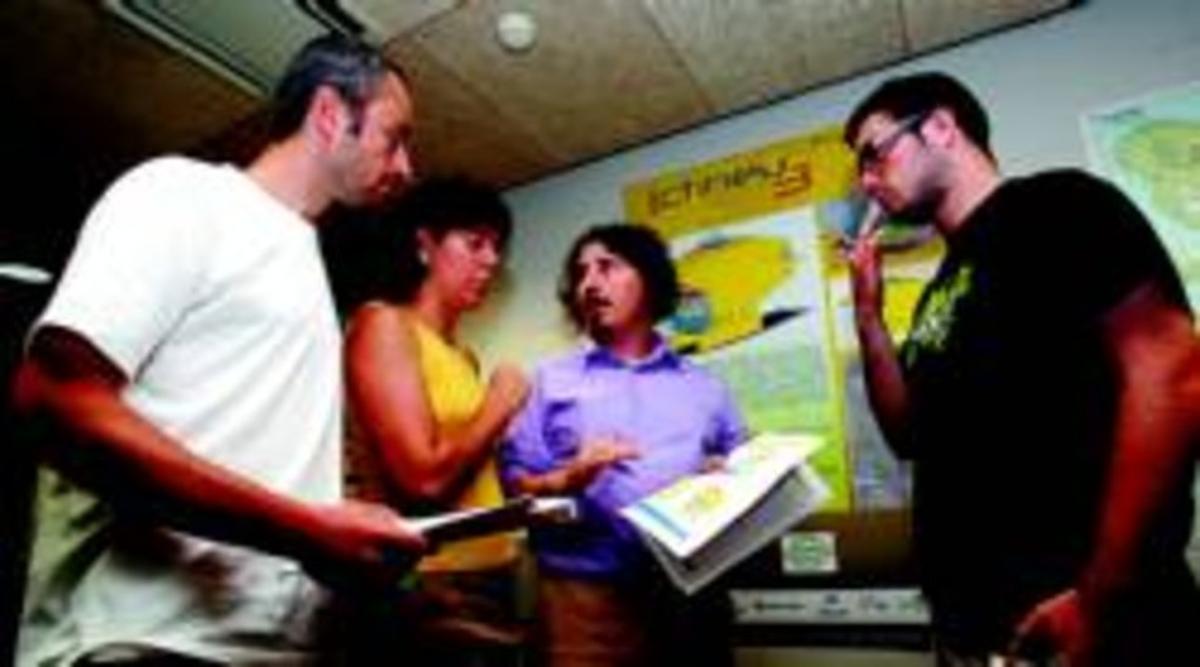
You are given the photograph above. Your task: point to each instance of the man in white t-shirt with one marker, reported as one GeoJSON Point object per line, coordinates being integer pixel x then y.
{"type": "Point", "coordinates": [192, 360]}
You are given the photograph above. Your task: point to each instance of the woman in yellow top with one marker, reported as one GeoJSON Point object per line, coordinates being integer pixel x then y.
{"type": "Point", "coordinates": [427, 422]}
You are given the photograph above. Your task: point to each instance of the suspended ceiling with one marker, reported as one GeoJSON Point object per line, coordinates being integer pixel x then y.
{"type": "Point", "coordinates": [135, 77]}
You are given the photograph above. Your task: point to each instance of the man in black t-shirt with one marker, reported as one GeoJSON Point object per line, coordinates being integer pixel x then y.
{"type": "Point", "coordinates": [1042, 394]}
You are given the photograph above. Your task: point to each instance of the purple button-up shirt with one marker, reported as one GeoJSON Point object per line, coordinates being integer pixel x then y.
{"type": "Point", "coordinates": [674, 412]}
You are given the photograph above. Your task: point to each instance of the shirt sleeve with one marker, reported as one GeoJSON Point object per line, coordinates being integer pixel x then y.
{"type": "Point", "coordinates": [1114, 247]}
{"type": "Point", "coordinates": [523, 449]}
{"type": "Point", "coordinates": [729, 427]}
{"type": "Point", "coordinates": [131, 274]}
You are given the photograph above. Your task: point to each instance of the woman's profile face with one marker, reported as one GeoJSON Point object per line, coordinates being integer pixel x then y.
{"type": "Point", "coordinates": [462, 264]}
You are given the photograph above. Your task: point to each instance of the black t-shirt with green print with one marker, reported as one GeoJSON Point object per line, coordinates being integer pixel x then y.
{"type": "Point", "coordinates": [1013, 398]}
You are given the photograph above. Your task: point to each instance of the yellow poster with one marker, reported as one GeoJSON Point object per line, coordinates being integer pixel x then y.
{"type": "Point", "coordinates": [755, 309]}
{"type": "Point", "coordinates": [788, 174]}
{"type": "Point", "coordinates": [757, 239]}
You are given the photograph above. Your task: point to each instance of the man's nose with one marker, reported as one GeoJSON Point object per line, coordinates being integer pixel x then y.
{"type": "Point", "coordinates": [867, 181]}
{"type": "Point", "coordinates": [587, 282]}
{"type": "Point", "coordinates": [489, 257]}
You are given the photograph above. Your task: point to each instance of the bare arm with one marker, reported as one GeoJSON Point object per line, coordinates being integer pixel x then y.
{"type": "Point", "coordinates": [1157, 359]}
{"type": "Point", "coordinates": [138, 467]}
{"type": "Point", "coordinates": [388, 395]}
{"type": "Point", "coordinates": [886, 388]}
{"type": "Point", "coordinates": [593, 457]}
{"type": "Point", "coordinates": [1156, 354]}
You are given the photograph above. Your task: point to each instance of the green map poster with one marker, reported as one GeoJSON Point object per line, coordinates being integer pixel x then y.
{"type": "Point", "coordinates": [1150, 148]}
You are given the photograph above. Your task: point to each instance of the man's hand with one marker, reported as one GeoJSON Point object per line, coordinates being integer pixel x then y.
{"type": "Point", "coordinates": [362, 547]}
{"type": "Point", "coordinates": [1059, 625]}
{"type": "Point", "coordinates": [713, 463]}
{"type": "Point", "coordinates": [594, 456]}
{"type": "Point", "coordinates": [575, 475]}
{"type": "Point", "coordinates": [866, 274]}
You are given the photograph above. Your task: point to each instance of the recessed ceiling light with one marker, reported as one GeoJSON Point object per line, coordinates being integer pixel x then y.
{"type": "Point", "coordinates": [516, 31]}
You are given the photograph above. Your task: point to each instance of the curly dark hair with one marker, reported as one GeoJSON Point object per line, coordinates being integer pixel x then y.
{"type": "Point", "coordinates": [643, 249]}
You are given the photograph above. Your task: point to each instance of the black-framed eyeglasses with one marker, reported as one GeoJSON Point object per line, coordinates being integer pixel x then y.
{"type": "Point", "coordinates": [871, 153]}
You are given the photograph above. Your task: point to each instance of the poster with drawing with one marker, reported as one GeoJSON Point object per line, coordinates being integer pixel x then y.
{"type": "Point", "coordinates": [757, 239]}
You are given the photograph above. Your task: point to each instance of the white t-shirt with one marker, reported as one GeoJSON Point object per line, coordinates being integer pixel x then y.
{"type": "Point", "coordinates": [212, 297]}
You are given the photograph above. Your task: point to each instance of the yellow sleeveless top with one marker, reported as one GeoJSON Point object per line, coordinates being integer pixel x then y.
{"type": "Point", "coordinates": [455, 392]}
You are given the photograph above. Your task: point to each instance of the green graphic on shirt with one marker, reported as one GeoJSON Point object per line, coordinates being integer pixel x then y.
{"type": "Point", "coordinates": [933, 323]}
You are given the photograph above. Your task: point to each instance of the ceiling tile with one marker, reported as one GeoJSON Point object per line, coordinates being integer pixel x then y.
{"type": "Point", "coordinates": [934, 23]}
{"type": "Point", "coordinates": [598, 78]}
{"type": "Point", "coordinates": [747, 52]}
{"type": "Point", "coordinates": [389, 18]}
{"type": "Point", "coordinates": [106, 85]}
{"type": "Point", "coordinates": [602, 75]}
{"type": "Point", "coordinates": [249, 43]}
{"type": "Point", "coordinates": [844, 37]}
{"type": "Point", "coordinates": [459, 131]}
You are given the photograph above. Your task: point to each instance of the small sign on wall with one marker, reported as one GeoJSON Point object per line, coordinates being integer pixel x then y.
{"type": "Point", "coordinates": [809, 552]}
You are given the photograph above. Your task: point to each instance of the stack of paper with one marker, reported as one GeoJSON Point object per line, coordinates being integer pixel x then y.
{"type": "Point", "coordinates": [704, 524]}
{"type": "Point", "coordinates": [512, 515]}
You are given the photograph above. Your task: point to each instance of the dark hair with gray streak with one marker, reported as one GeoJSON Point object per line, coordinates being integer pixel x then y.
{"type": "Point", "coordinates": [349, 66]}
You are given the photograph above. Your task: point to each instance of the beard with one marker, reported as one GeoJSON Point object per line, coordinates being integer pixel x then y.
{"type": "Point", "coordinates": [591, 311]}
{"type": "Point", "coordinates": [919, 214]}
{"type": "Point", "coordinates": [601, 334]}
{"type": "Point", "coordinates": [592, 318]}
{"type": "Point", "coordinates": [921, 211]}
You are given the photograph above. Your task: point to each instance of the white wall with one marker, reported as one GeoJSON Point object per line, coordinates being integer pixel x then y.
{"type": "Point", "coordinates": [1036, 81]}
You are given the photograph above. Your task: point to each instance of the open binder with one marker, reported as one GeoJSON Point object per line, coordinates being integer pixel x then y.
{"type": "Point", "coordinates": [704, 524]}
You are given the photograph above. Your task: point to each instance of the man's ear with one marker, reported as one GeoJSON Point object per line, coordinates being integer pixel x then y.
{"type": "Point", "coordinates": [941, 128]}
{"type": "Point", "coordinates": [328, 116]}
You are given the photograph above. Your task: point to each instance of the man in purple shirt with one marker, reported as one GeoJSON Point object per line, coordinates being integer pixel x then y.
{"type": "Point", "coordinates": [608, 425]}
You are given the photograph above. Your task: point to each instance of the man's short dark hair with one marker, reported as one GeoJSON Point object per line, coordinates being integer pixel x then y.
{"type": "Point", "coordinates": [908, 96]}
{"type": "Point", "coordinates": [643, 249]}
{"type": "Point", "coordinates": [437, 206]}
{"type": "Point", "coordinates": [349, 66]}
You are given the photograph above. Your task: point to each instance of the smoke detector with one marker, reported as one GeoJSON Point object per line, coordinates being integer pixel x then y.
{"type": "Point", "coordinates": [516, 31]}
